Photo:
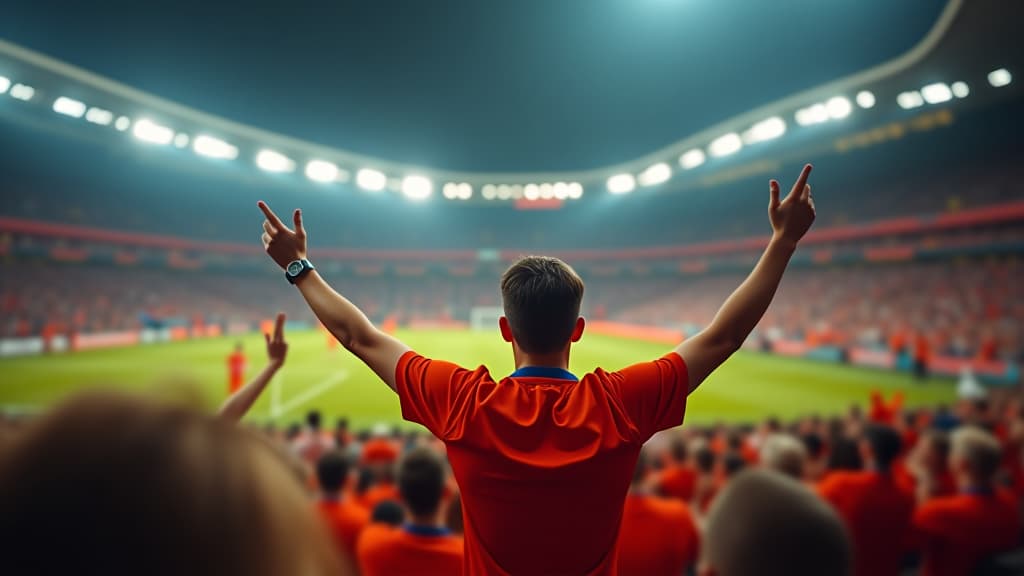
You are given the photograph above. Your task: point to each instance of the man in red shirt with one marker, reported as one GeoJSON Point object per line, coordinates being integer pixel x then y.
{"type": "Point", "coordinates": [344, 518]}
{"type": "Point", "coordinates": [423, 545]}
{"type": "Point", "coordinates": [659, 535]}
{"type": "Point", "coordinates": [956, 532]}
{"type": "Point", "coordinates": [544, 458]}
{"type": "Point", "coordinates": [679, 479]}
{"type": "Point", "coordinates": [874, 506]}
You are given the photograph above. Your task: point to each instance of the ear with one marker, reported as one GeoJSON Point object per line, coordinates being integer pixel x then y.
{"type": "Point", "coordinates": [506, 330]}
{"type": "Point", "coordinates": [577, 332]}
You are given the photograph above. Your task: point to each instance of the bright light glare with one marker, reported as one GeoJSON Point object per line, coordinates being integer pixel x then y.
{"type": "Point", "coordinates": [214, 148]}
{"type": "Point", "coordinates": [561, 190]}
{"type": "Point", "coordinates": [69, 107]}
{"type": "Point", "coordinates": [621, 184]}
{"type": "Point", "coordinates": [122, 123]}
{"type": "Point", "coordinates": [5, 83]}
{"type": "Point", "coordinates": [99, 116]}
{"type": "Point", "coordinates": [417, 187]}
{"type": "Point", "coordinates": [961, 89]}
{"type": "Point", "coordinates": [765, 130]}
{"type": "Point", "coordinates": [691, 159]}
{"type": "Point", "coordinates": [531, 192]}
{"type": "Point", "coordinates": [997, 78]}
{"type": "Point", "coordinates": [181, 140]}
{"type": "Point", "coordinates": [22, 92]}
{"type": "Point", "coordinates": [321, 171]}
{"type": "Point", "coordinates": [814, 114]}
{"type": "Point", "coordinates": [465, 191]}
{"type": "Point", "coordinates": [547, 191]}
{"type": "Point", "coordinates": [488, 191]}
{"type": "Point", "coordinates": [865, 99]}
{"type": "Point", "coordinates": [274, 161]}
{"type": "Point", "coordinates": [504, 192]}
{"type": "Point", "coordinates": [838, 107]}
{"type": "Point", "coordinates": [937, 93]}
{"type": "Point", "coordinates": [725, 145]}
{"type": "Point", "coordinates": [655, 174]}
{"type": "Point", "coordinates": [370, 179]}
{"type": "Point", "coordinates": [450, 190]}
{"type": "Point", "coordinates": [911, 99]}
{"type": "Point", "coordinates": [575, 190]}
{"type": "Point", "coordinates": [149, 131]}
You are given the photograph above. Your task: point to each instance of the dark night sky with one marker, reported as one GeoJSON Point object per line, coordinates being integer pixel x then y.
{"type": "Point", "coordinates": [474, 84]}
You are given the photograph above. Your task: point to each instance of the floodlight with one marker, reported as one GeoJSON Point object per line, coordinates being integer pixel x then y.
{"type": "Point", "coordinates": [22, 92]}
{"type": "Point", "coordinates": [531, 192]}
{"type": "Point", "coordinates": [273, 161]}
{"type": "Point", "coordinates": [488, 191]}
{"type": "Point", "coordinates": [575, 190]}
{"type": "Point", "coordinates": [813, 114]}
{"type": "Point", "coordinates": [961, 89]}
{"type": "Point", "coordinates": [910, 99]}
{"type": "Point", "coordinates": [865, 99]}
{"type": "Point", "coordinates": [417, 187]}
{"type": "Point", "coordinates": [99, 116]}
{"type": "Point", "coordinates": [450, 190]}
{"type": "Point", "coordinates": [321, 171]}
{"type": "Point", "coordinates": [122, 123]}
{"type": "Point", "coordinates": [691, 159]}
{"type": "Point", "coordinates": [621, 184]}
{"type": "Point", "coordinates": [838, 107]}
{"type": "Point", "coordinates": [181, 140]}
{"type": "Point", "coordinates": [547, 191]}
{"type": "Point", "coordinates": [149, 131]}
{"type": "Point", "coordinates": [465, 191]}
{"type": "Point", "coordinates": [768, 129]}
{"type": "Point", "coordinates": [370, 179]}
{"type": "Point", "coordinates": [655, 174]}
{"type": "Point", "coordinates": [936, 93]}
{"type": "Point", "coordinates": [5, 83]}
{"type": "Point", "coordinates": [69, 107]}
{"type": "Point", "coordinates": [211, 147]}
{"type": "Point", "coordinates": [725, 145]}
{"type": "Point", "coordinates": [997, 78]}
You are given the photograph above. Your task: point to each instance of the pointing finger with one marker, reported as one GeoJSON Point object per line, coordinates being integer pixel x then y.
{"type": "Point", "coordinates": [271, 216]}
{"type": "Point", "coordinates": [800, 182]}
{"type": "Point", "coordinates": [279, 328]}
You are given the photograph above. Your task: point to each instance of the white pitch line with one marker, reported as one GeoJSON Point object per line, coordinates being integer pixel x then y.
{"type": "Point", "coordinates": [275, 394]}
{"type": "Point", "coordinates": [309, 394]}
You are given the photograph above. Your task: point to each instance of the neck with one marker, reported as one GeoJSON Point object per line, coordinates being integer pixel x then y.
{"type": "Point", "coordinates": [555, 360]}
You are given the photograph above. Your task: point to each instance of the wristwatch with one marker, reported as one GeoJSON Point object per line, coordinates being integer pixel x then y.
{"type": "Point", "coordinates": [297, 269]}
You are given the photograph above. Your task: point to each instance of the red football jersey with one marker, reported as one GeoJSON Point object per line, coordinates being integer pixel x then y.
{"type": "Point", "coordinates": [956, 532]}
{"type": "Point", "coordinates": [543, 460]}
{"type": "Point", "coordinates": [659, 537]}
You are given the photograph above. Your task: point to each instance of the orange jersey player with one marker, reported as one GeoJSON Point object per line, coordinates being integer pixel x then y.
{"type": "Point", "coordinates": [236, 369]}
{"type": "Point", "coordinates": [543, 458]}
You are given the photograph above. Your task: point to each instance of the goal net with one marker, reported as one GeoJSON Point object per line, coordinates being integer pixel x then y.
{"type": "Point", "coordinates": [485, 317]}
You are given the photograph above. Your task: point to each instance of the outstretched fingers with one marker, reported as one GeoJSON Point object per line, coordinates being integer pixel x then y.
{"type": "Point", "coordinates": [297, 218]}
{"type": "Point", "coordinates": [279, 328]}
{"type": "Point", "coordinates": [773, 191]}
{"type": "Point", "coordinates": [801, 182]}
{"type": "Point", "coordinates": [271, 217]}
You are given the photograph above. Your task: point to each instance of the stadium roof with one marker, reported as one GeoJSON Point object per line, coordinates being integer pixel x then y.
{"type": "Point", "coordinates": [784, 65]}
{"type": "Point", "coordinates": [524, 86]}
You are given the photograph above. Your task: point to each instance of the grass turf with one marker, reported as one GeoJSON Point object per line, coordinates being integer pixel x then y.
{"type": "Point", "coordinates": [749, 386]}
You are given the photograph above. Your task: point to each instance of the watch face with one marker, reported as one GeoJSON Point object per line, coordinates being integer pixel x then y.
{"type": "Point", "coordinates": [294, 268]}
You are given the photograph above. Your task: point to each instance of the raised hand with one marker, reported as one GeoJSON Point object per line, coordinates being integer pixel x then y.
{"type": "Point", "coordinates": [281, 243]}
{"type": "Point", "coordinates": [792, 217]}
{"type": "Point", "coordinates": [277, 348]}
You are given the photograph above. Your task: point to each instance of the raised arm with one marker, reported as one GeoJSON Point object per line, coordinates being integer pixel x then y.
{"type": "Point", "coordinates": [238, 404]}
{"type": "Point", "coordinates": [342, 318]}
{"type": "Point", "coordinates": [790, 218]}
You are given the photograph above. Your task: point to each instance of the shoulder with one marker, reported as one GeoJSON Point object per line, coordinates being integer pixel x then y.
{"type": "Point", "coordinates": [375, 537]}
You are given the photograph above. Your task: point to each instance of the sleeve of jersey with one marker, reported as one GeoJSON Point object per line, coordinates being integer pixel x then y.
{"type": "Point", "coordinates": [428, 391]}
{"type": "Point", "coordinates": [654, 393]}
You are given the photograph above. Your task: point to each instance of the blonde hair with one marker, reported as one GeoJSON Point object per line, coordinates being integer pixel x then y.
{"type": "Point", "coordinates": [113, 484]}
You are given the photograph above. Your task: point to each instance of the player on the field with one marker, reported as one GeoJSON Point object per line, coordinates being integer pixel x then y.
{"type": "Point", "coordinates": [236, 369]}
{"type": "Point", "coordinates": [543, 458]}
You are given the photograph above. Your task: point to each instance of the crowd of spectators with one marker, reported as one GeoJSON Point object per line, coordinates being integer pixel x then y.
{"type": "Point", "coordinates": [882, 488]}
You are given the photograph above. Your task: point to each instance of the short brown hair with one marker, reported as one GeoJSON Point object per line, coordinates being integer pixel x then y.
{"type": "Point", "coordinates": [541, 297]}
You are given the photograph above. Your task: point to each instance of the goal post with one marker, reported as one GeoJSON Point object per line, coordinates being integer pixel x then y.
{"type": "Point", "coordinates": [485, 317]}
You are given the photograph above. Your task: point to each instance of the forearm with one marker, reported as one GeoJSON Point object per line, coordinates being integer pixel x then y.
{"type": "Point", "coordinates": [743, 309]}
{"type": "Point", "coordinates": [342, 318]}
{"type": "Point", "coordinates": [238, 404]}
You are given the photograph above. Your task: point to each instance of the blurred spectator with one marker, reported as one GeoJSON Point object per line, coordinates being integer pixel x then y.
{"type": "Point", "coordinates": [784, 453]}
{"type": "Point", "coordinates": [343, 516]}
{"type": "Point", "coordinates": [424, 545]}
{"type": "Point", "coordinates": [872, 504]}
{"type": "Point", "coordinates": [658, 536]}
{"type": "Point", "coordinates": [313, 442]}
{"type": "Point", "coordinates": [140, 488]}
{"type": "Point", "coordinates": [767, 524]}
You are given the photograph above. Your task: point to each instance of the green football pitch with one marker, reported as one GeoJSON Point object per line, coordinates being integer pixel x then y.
{"type": "Point", "coordinates": [748, 387]}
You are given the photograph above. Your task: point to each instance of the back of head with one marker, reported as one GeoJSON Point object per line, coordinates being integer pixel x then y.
{"type": "Point", "coordinates": [784, 453]}
{"type": "Point", "coordinates": [421, 481]}
{"type": "Point", "coordinates": [541, 297]}
{"type": "Point", "coordinates": [885, 444]}
{"type": "Point", "coordinates": [704, 459]}
{"type": "Point", "coordinates": [332, 471]}
{"type": "Point", "coordinates": [976, 450]}
{"type": "Point", "coordinates": [133, 487]}
{"type": "Point", "coordinates": [843, 454]}
{"type": "Point", "coordinates": [313, 419]}
{"type": "Point", "coordinates": [766, 524]}
{"type": "Point", "coordinates": [388, 512]}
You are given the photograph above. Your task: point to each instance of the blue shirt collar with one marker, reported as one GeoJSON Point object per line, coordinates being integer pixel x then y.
{"type": "Point", "coordinates": [544, 372]}
{"type": "Point", "coordinates": [419, 530]}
